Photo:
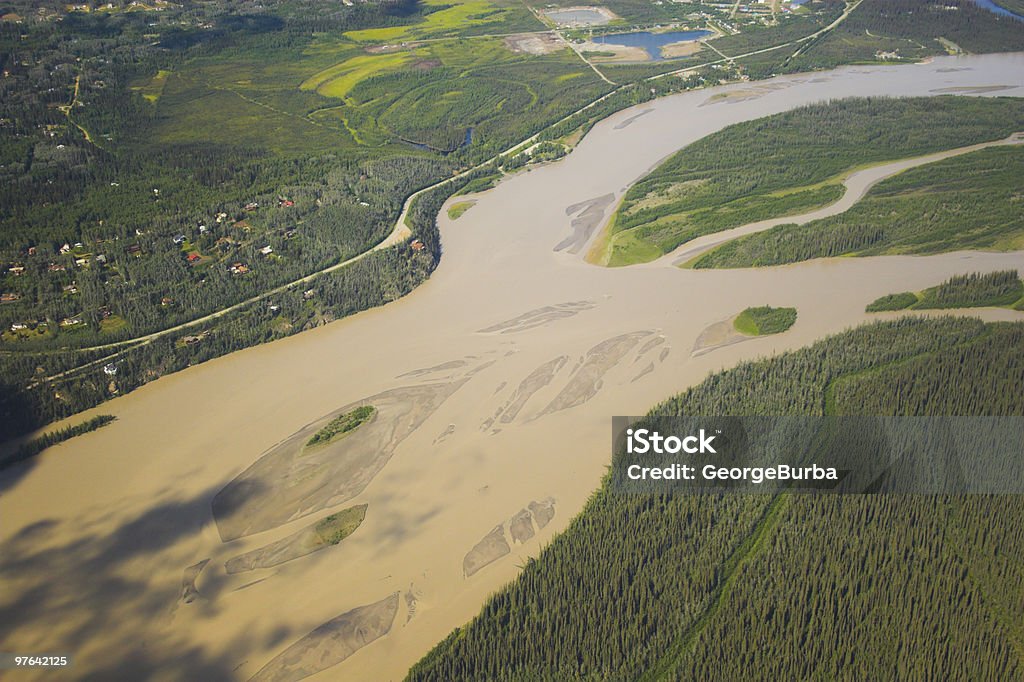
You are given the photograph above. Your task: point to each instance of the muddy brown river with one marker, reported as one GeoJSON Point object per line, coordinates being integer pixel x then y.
{"type": "Point", "coordinates": [495, 383]}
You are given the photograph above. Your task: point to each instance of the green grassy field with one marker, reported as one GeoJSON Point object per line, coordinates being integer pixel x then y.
{"type": "Point", "coordinates": [446, 18]}
{"type": "Point", "coordinates": [333, 93]}
{"type": "Point", "coordinates": [153, 88]}
{"type": "Point", "coordinates": [338, 80]}
{"type": "Point", "coordinates": [455, 211]}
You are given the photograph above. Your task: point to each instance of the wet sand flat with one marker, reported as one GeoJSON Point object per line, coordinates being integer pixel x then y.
{"type": "Point", "coordinates": [101, 536]}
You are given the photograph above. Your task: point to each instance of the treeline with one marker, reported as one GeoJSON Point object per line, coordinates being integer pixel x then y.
{"type": "Point", "coordinates": [976, 290]}
{"type": "Point", "coordinates": [755, 170]}
{"type": "Point", "coordinates": [967, 291]}
{"type": "Point", "coordinates": [37, 445]}
{"type": "Point", "coordinates": [734, 587]}
{"type": "Point", "coordinates": [967, 202]}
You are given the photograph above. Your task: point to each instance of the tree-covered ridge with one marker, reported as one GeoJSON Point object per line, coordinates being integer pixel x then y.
{"type": "Point", "coordinates": [791, 162]}
{"type": "Point", "coordinates": [750, 587]}
{"type": "Point", "coordinates": [975, 290]}
{"type": "Point", "coordinates": [966, 202]}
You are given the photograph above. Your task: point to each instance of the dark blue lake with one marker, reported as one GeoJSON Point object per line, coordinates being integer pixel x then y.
{"type": "Point", "coordinates": [650, 42]}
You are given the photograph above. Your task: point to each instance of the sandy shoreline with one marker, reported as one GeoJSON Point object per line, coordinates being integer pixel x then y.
{"type": "Point", "coordinates": [101, 536]}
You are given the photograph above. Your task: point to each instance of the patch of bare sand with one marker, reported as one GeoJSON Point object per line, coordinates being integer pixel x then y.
{"type": "Point", "coordinates": [189, 593]}
{"type": "Point", "coordinates": [718, 335]}
{"type": "Point", "coordinates": [589, 214]}
{"type": "Point", "coordinates": [586, 381]}
{"type": "Point", "coordinates": [745, 93]}
{"type": "Point", "coordinates": [543, 511]}
{"type": "Point", "coordinates": [490, 549]}
{"type": "Point", "coordinates": [520, 527]}
{"type": "Point", "coordinates": [291, 480]}
{"type": "Point", "coordinates": [534, 43]}
{"type": "Point", "coordinates": [632, 119]}
{"type": "Point", "coordinates": [535, 381]}
{"type": "Point", "coordinates": [495, 544]}
{"type": "Point", "coordinates": [683, 48]}
{"type": "Point", "coordinates": [538, 317]}
{"type": "Point", "coordinates": [332, 642]}
{"type": "Point", "coordinates": [609, 53]}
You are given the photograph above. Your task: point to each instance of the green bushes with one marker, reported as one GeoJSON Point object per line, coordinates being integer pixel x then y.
{"type": "Point", "coordinates": [332, 529]}
{"type": "Point", "coordinates": [765, 320]}
{"type": "Point", "coordinates": [341, 425]}
{"type": "Point", "coordinates": [892, 302]}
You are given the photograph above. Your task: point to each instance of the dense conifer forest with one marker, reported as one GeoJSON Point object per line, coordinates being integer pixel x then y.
{"type": "Point", "coordinates": [966, 202]}
{"type": "Point", "coordinates": [731, 587]}
{"type": "Point", "coordinates": [976, 290]}
{"type": "Point", "coordinates": [793, 162]}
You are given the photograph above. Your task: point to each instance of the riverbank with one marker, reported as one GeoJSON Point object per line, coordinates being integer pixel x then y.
{"type": "Point", "coordinates": [536, 350]}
